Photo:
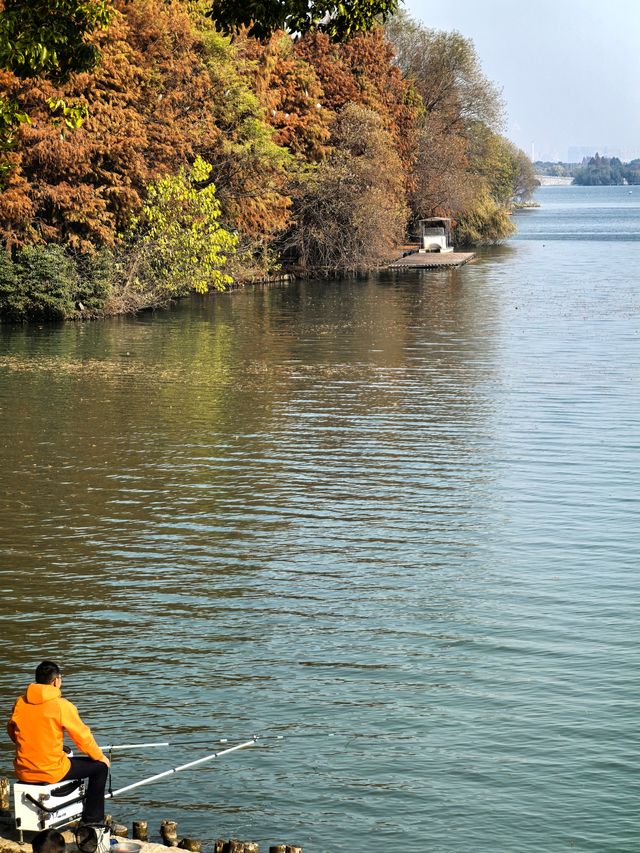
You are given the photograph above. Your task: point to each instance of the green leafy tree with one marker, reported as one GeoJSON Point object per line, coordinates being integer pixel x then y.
{"type": "Point", "coordinates": [338, 19]}
{"type": "Point", "coordinates": [12, 115]}
{"type": "Point", "coordinates": [181, 246]}
{"type": "Point", "coordinates": [601, 171]}
{"type": "Point", "coordinates": [50, 38]}
{"type": "Point", "coordinates": [632, 172]}
{"type": "Point", "coordinates": [47, 38]}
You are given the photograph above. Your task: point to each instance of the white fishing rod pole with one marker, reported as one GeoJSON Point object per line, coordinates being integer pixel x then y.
{"type": "Point", "coordinates": [112, 747]}
{"type": "Point", "coordinates": [195, 763]}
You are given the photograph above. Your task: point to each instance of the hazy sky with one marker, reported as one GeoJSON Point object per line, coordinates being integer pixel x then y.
{"type": "Point", "coordinates": [569, 69]}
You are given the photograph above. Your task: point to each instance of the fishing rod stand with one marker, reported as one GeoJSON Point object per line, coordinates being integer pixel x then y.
{"type": "Point", "coordinates": [38, 807]}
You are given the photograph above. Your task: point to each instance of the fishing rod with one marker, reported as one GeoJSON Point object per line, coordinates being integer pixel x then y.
{"type": "Point", "coordinates": [113, 747]}
{"type": "Point", "coordinates": [146, 781]}
{"type": "Point", "coordinates": [116, 747]}
{"type": "Point", "coordinates": [186, 766]}
{"type": "Point", "coordinates": [274, 736]}
{"type": "Point", "coordinates": [224, 740]}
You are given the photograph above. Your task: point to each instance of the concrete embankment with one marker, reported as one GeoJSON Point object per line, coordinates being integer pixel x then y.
{"type": "Point", "coordinates": [9, 842]}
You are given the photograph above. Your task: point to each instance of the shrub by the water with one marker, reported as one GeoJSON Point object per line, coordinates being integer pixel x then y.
{"type": "Point", "coordinates": [46, 283]}
{"type": "Point", "coordinates": [9, 289]}
{"type": "Point", "coordinates": [485, 222]}
{"type": "Point", "coordinates": [96, 273]}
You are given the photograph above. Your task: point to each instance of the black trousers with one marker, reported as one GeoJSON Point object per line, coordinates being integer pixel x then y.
{"type": "Point", "coordinates": [96, 772]}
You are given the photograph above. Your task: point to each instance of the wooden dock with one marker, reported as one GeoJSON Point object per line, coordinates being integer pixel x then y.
{"type": "Point", "coordinates": [432, 260]}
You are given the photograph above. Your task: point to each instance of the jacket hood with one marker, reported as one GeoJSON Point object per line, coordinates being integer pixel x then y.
{"type": "Point", "coordinates": [38, 693]}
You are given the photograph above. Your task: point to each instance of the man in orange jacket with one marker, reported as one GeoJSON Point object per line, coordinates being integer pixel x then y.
{"type": "Point", "coordinates": [37, 726]}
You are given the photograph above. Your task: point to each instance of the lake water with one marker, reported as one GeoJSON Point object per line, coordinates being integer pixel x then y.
{"type": "Point", "coordinates": [395, 520]}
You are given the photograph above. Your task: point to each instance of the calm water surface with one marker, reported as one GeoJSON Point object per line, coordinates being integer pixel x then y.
{"type": "Point", "coordinates": [401, 511]}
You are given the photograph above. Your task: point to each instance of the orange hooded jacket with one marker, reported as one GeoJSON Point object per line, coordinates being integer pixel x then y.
{"type": "Point", "coordinates": [37, 726]}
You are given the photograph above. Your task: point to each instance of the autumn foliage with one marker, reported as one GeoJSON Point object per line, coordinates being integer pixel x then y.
{"type": "Point", "coordinates": [351, 212]}
{"type": "Point", "coordinates": [317, 153]}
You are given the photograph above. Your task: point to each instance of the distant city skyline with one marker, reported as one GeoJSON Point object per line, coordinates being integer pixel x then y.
{"type": "Point", "coordinates": [569, 69]}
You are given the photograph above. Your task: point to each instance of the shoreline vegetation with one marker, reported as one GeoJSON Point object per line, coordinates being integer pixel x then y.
{"type": "Point", "coordinates": [171, 153]}
{"type": "Point", "coordinates": [596, 171]}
